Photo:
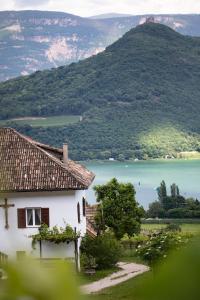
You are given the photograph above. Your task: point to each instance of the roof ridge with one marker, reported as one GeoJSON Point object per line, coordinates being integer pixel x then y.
{"type": "Point", "coordinates": [59, 163]}
{"type": "Point", "coordinates": [36, 142]}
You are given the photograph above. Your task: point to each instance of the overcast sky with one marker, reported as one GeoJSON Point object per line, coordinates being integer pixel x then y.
{"type": "Point", "coordinates": [94, 7]}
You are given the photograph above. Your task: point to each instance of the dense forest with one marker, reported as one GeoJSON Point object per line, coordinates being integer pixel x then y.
{"type": "Point", "coordinates": [139, 98]}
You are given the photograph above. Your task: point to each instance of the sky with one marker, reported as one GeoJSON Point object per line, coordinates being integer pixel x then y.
{"type": "Point", "coordinates": [87, 8]}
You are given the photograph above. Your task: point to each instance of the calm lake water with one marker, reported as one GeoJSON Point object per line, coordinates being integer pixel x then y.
{"type": "Point", "coordinates": [147, 175]}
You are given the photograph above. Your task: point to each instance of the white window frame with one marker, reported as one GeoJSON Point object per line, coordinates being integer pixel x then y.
{"type": "Point", "coordinates": [33, 212]}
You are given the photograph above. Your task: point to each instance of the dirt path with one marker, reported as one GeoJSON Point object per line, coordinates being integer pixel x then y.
{"type": "Point", "coordinates": [129, 270]}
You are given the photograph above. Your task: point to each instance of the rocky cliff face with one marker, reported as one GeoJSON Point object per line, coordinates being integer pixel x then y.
{"type": "Point", "coordinates": [31, 41]}
{"type": "Point", "coordinates": [34, 40]}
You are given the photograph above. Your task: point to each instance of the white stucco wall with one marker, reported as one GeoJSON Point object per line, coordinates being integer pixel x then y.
{"type": "Point", "coordinates": [62, 210]}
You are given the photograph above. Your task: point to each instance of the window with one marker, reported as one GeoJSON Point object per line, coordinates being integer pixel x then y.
{"type": "Point", "coordinates": [78, 213]}
{"type": "Point", "coordinates": [33, 217]}
{"type": "Point", "coordinates": [84, 206]}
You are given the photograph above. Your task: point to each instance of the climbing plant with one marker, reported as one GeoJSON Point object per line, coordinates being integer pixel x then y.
{"type": "Point", "coordinates": [55, 235]}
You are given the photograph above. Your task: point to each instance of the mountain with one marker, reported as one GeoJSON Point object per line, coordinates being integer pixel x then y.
{"type": "Point", "coordinates": [139, 98]}
{"type": "Point", "coordinates": [110, 16]}
{"type": "Point", "coordinates": [37, 40]}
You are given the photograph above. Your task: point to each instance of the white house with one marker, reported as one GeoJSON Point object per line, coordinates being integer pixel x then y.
{"type": "Point", "coordinates": [39, 185]}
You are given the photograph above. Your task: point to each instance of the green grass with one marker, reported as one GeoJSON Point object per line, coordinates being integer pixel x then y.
{"type": "Point", "coordinates": [186, 228]}
{"type": "Point", "coordinates": [128, 289]}
{"type": "Point", "coordinates": [129, 256]}
{"type": "Point", "coordinates": [97, 276]}
{"type": "Point", "coordinates": [44, 121]}
{"type": "Point", "coordinates": [191, 228]}
{"type": "Point", "coordinates": [125, 291]}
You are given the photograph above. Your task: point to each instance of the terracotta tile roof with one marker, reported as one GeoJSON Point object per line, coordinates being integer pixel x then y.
{"type": "Point", "coordinates": [26, 165]}
{"type": "Point", "coordinates": [91, 211]}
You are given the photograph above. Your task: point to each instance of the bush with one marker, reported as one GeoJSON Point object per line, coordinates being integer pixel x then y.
{"type": "Point", "coordinates": [105, 249]}
{"type": "Point", "coordinates": [159, 245]}
{"type": "Point", "coordinates": [18, 282]}
{"type": "Point", "coordinates": [183, 213]}
{"type": "Point", "coordinates": [134, 241]}
{"type": "Point", "coordinates": [173, 227]}
{"type": "Point", "coordinates": [156, 210]}
{"type": "Point", "coordinates": [87, 261]}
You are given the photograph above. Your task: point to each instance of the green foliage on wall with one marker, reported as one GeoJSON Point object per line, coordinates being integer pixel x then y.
{"type": "Point", "coordinates": [55, 235]}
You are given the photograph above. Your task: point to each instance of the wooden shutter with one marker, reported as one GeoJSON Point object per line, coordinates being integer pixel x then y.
{"type": "Point", "coordinates": [78, 213]}
{"type": "Point", "coordinates": [84, 204]}
{"type": "Point", "coordinates": [21, 216]}
{"type": "Point", "coordinates": [45, 216]}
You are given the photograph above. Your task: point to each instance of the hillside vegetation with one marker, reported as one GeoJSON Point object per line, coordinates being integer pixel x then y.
{"type": "Point", "coordinates": [138, 98]}
{"type": "Point", "coordinates": [36, 40]}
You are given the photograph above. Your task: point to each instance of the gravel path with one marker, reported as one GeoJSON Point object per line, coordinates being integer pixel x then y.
{"type": "Point", "coordinates": [129, 270]}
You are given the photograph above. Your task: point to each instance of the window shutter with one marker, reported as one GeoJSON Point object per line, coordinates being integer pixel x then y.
{"type": "Point", "coordinates": [45, 216]}
{"type": "Point", "coordinates": [78, 213]}
{"type": "Point", "coordinates": [84, 204]}
{"type": "Point", "coordinates": [21, 216]}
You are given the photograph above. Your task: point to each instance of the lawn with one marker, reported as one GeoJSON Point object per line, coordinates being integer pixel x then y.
{"type": "Point", "coordinates": [84, 279]}
{"type": "Point", "coordinates": [44, 121]}
{"type": "Point", "coordinates": [128, 290]}
{"type": "Point", "coordinates": [125, 290]}
{"type": "Point", "coordinates": [186, 228]}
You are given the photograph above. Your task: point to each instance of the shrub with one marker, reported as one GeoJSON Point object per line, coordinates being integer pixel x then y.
{"type": "Point", "coordinates": [159, 245]}
{"type": "Point", "coordinates": [18, 282]}
{"type": "Point", "coordinates": [183, 213]}
{"type": "Point", "coordinates": [105, 249]}
{"type": "Point", "coordinates": [88, 261]}
{"type": "Point", "coordinates": [134, 241]}
{"type": "Point", "coordinates": [173, 227]}
{"type": "Point", "coordinates": [156, 210]}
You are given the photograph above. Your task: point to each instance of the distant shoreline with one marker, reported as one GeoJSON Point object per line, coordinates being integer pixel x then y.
{"type": "Point", "coordinates": [141, 160]}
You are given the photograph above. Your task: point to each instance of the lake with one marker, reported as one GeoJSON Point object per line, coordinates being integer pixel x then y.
{"type": "Point", "coordinates": [147, 175]}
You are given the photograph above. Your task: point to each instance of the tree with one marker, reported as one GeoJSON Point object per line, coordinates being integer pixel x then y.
{"type": "Point", "coordinates": [173, 206]}
{"type": "Point", "coordinates": [192, 204]}
{"type": "Point", "coordinates": [162, 192]}
{"type": "Point", "coordinates": [166, 201]}
{"type": "Point", "coordinates": [119, 209]}
{"type": "Point", "coordinates": [121, 157]}
{"type": "Point", "coordinates": [174, 190]}
{"type": "Point", "coordinates": [156, 210]}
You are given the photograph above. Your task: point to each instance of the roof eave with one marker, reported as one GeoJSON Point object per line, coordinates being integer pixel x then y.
{"type": "Point", "coordinates": [42, 190]}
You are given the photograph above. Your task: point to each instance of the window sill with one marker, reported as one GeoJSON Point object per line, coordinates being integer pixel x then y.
{"type": "Point", "coordinates": [33, 226]}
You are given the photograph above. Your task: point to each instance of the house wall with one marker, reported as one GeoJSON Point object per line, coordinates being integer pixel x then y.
{"type": "Point", "coordinates": [62, 210]}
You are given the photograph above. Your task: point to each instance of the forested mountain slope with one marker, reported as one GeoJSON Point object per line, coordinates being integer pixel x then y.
{"type": "Point", "coordinates": [140, 97]}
